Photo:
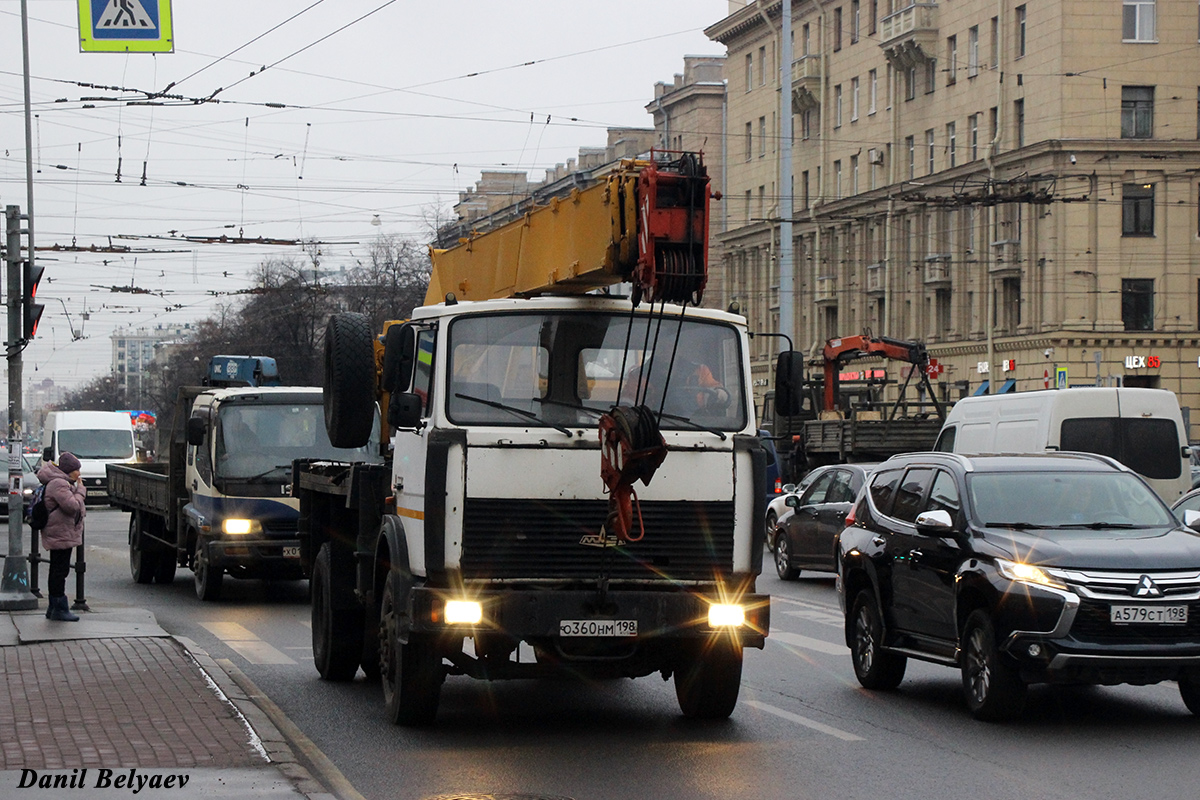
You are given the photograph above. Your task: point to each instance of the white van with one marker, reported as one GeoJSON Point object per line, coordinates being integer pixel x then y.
{"type": "Point", "coordinates": [96, 438]}
{"type": "Point", "coordinates": [1141, 428]}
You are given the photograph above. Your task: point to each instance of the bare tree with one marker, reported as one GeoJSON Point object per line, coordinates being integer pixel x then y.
{"type": "Point", "coordinates": [390, 283]}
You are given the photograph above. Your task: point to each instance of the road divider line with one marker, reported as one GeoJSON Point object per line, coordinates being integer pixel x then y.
{"type": "Point", "coordinates": [820, 727]}
{"type": "Point", "coordinates": [243, 642]}
{"type": "Point", "coordinates": [808, 643]}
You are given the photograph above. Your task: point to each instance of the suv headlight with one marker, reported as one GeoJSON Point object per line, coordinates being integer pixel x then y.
{"type": "Point", "coordinates": [1028, 573]}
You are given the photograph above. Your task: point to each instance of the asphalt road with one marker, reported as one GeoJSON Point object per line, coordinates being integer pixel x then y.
{"type": "Point", "coordinates": [803, 727]}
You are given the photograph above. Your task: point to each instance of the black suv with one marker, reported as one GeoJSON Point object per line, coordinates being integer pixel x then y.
{"type": "Point", "coordinates": [1055, 568]}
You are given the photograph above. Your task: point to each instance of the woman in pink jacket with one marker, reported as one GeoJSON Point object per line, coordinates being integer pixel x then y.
{"type": "Point", "coordinates": [64, 498]}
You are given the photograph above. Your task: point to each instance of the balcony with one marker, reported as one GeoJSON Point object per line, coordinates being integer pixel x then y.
{"type": "Point", "coordinates": [876, 279]}
{"type": "Point", "coordinates": [806, 83]}
{"type": "Point", "coordinates": [937, 271]}
{"type": "Point", "coordinates": [825, 290]}
{"type": "Point", "coordinates": [909, 37]}
{"type": "Point", "coordinates": [1006, 259]}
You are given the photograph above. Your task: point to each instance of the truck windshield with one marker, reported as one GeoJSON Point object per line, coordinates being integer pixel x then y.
{"type": "Point", "coordinates": [566, 368]}
{"type": "Point", "coordinates": [258, 440]}
{"type": "Point", "coordinates": [96, 443]}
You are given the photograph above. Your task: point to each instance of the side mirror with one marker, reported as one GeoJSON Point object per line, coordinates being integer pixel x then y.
{"type": "Point", "coordinates": [404, 410]}
{"type": "Point", "coordinates": [399, 357]}
{"type": "Point", "coordinates": [1192, 519]}
{"type": "Point", "coordinates": [792, 501]}
{"type": "Point", "coordinates": [48, 454]}
{"type": "Point", "coordinates": [788, 488]}
{"type": "Point", "coordinates": [935, 521]}
{"type": "Point", "coordinates": [197, 427]}
{"type": "Point", "coordinates": [789, 380]}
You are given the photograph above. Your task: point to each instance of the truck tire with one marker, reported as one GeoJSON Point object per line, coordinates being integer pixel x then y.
{"type": "Point", "coordinates": [142, 563]}
{"type": "Point", "coordinates": [411, 672]}
{"type": "Point", "coordinates": [208, 577]}
{"type": "Point", "coordinates": [336, 634]}
{"type": "Point", "coordinates": [349, 389]}
{"type": "Point", "coordinates": [707, 684]}
{"type": "Point", "coordinates": [164, 573]}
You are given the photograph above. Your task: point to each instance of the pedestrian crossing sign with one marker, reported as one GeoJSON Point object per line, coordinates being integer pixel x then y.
{"type": "Point", "coordinates": [125, 26]}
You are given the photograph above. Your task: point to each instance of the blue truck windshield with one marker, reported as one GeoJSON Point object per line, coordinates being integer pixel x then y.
{"type": "Point", "coordinates": [254, 440]}
{"type": "Point", "coordinates": [563, 369]}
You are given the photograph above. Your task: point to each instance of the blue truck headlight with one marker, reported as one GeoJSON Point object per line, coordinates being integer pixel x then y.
{"type": "Point", "coordinates": [237, 526]}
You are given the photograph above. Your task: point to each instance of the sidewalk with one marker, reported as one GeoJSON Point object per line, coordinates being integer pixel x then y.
{"type": "Point", "coordinates": [112, 705]}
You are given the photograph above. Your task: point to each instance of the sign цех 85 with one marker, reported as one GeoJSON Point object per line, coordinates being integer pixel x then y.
{"type": "Point", "coordinates": [1142, 362]}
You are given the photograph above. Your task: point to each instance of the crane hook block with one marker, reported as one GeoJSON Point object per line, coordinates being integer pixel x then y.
{"type": "Point", "coordinates": [631, 449]}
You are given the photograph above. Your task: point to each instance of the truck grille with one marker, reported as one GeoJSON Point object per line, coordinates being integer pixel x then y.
{"type": "Point", "coordinates": [1092, 625]}
{"type": "Point", "coordinates": [540, 539]}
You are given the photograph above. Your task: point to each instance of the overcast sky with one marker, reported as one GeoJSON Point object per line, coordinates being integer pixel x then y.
{"type": "Point", "coordinates": [389, 109]}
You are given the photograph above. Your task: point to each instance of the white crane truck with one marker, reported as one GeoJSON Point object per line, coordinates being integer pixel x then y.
{"type": "Point", "coordinates": [503, 538]}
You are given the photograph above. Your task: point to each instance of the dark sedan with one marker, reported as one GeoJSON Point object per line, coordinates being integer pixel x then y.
{"type": "Point", "coordinates": [807, 537]}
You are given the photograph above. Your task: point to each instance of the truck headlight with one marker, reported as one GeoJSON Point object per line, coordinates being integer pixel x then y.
{"type": "Point", "coordinates": [236, 526]}
{"type": "Point", "coordinates": [726, 615]}
{"type": "Point", "coordinates": [463, 612]}
{"type": "Point", "coordinates": [1028, 573]}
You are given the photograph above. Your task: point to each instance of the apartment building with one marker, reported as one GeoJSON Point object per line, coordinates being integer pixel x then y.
{"type": "Point", "coordinates": [1015, 183]}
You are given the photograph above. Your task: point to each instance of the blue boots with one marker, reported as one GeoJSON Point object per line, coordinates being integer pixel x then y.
{"type": "Point", "coordinates": [58, 609]}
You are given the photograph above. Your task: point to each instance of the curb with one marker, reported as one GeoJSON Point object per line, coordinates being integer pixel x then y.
{"type": "Point", "coordinates": [276, 734]}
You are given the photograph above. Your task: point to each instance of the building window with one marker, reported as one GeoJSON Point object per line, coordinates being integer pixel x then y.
{"type": "Point", "coordinates": [748, 201]}
{"type": "Point", "coordinates": [762, 202]}
{"type": "Point", "coordinates": [1198, 112]}
{"type": "Point", "coordinates": [804, 189]}
{"type": "Point", "coordinates": [749, 140]}
{"type": "Point", "coordinates": [973, 124]}
{"type": "Point", "coordinates": [910, 83]}
{"type": "Point", "coordinates": [854, 99]}
{"type": "Point", "coordinates": [806, 123]}
{"type": "Point", "coordinates": [1019, 122]}
{"type": "Point", "coordinates": [837, 106]}
{"type": "Point", "coordinates": [837, 179]}
{"type": "Point", "coordinates": [952, 143]}
{"type": "Point", "coordinates": [1137, 304]}
{"type": "Point", "coordinates": [853, 175]}
{"type": "Point", "coordinates": [807, 39]}
{"type": "Point", "coordinates": [1010, 308]}
{"type": "Point", "coordinates": [969, 224]}
{"type": "Point", "coordinates": [910, 143]}
{"type": "Point", "coordinates": [930, 75]}
{"type": "Point", "coordinates": [1137, 209]}
{"type": "Point", "coordinates": [874, 16]}
{"type": "Point", "coordinates": [942, 301]}
{"type": "Point", "coordinates": [855, 20]}
{"type": "Point", "coordinates": [837, 29]}
{"type": "Point", "coordinates": [1137, 112]}
{"type": "Point", "coordinates": [762, 136]}
{"type": "Point", "coordinates": [749, 72]}
{"type": "Point", "coordinates": [952, 60]}
{"type": "Point", "coordinates": [1020, 33]}
{"type": "Point", "coordinates": [929, 145]}
{"type": "Point", "coordinates": [973, 52]}
{"type": "Point", "coordinates": [1137, 21]}
{"type": "Point", "coordinates": [873, 80]}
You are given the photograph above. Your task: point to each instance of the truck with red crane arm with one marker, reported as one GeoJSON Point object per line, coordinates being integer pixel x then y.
{"type": "Point", "coordinates": [818, 421]}
{"type": "Point", "coordinates": [572, 482]}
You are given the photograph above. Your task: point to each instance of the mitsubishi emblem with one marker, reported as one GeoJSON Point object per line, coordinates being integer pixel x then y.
{"type": "Point", "coordinates": [1147, 588]}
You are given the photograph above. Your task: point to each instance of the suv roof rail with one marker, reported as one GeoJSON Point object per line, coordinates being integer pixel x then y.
{"type": "Point", "coordinates": [1095, 457]}
{"type": "Point", "coordinates": [962, 460]}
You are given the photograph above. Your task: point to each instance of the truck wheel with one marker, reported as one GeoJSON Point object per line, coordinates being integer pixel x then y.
{"type": "Point", "coordinates": [349, 389]}
{"type": "Point", "coordinates": [208, 577]}
{"type": "Point", "coordinates": [142, 564]}
{"type": "Point", "coordinates": [707, 685]}
{"type": "Point", "coordinates": [993, 687]}
{"type": "Point", "coordinates": [336, 634]}
{"type": "Point", "coordinates": [874, 667]}
{"type": "Point", "coordinates": [411, 672]}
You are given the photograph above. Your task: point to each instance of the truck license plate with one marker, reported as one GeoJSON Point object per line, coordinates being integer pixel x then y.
{"type": "Point", "coordinates": [291, 552]}
{"type": "Point", "coordinates": [598, 627]}
{"type": "Point", "coordinates": [1154, 615]}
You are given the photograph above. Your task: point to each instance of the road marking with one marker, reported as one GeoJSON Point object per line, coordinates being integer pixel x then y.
{"type": "Point", "coordinates": [822, 617]}
{"type": "Point", "coordinates": [243, 642]}
{"type": "Point", "coordinates": [808, 643]}
{"type": "Point", "coordinates": [805, 721]}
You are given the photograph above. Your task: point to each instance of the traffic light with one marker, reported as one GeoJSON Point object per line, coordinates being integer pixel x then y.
{"type": "Point", "coordinates": [31, 310]}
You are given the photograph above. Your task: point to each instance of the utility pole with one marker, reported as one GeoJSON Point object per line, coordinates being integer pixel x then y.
{"type": "Point", "coordinates": [14, 587]}
{"type": "Point", "coordinates": [787, 258]}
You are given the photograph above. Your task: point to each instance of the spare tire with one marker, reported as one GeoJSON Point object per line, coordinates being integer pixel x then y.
{"type": "Point", "coordinates": [349, 389]}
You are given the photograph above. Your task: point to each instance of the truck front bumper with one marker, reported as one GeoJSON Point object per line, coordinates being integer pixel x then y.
{"type": "Point", "coordinates": [256, 558]}
{"type": "Point", "coordinates": [578, 615]}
